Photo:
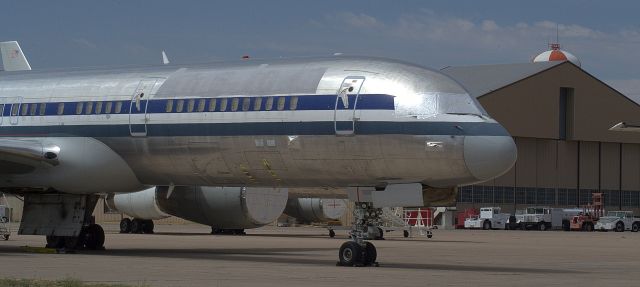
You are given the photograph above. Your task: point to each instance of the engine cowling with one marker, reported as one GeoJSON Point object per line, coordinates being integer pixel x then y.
{"type": "Point", "coordinates": [219, 207]}
{"type": "Point", "coordinates": [316, 209]}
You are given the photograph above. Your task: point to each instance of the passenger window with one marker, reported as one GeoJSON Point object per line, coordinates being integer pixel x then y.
{"type": "Point", "coordinates": [201, 103]}
{"type": "Point", "coordinates": [107, 107]}
{"type": "Point", "coordinates": [191, 104]}
{"type": "Point", "coordinates": [43, 108]}
{"type": "Point", "coordinates": [212, 105]}
{"type": "Point", "coordinates": [223, 104]}
{"type": "Point", "coordinates": [60, 108]}
{"type": "Point", "coordinates": [169, 107]}
{"type": "Point", "coordinates": [246, 103]}
{"type": "Point", "coordinates": [88, 108]}
{"type": "Point", "coordinates": [79, 107]}
{"type": "Point", "coordinates": [179, 106]}
{"type": "Point", "coordinates": [257, 104]}
{"type": "Point", "coordinates": [118, 107]}
{"type": "Point", "coordinates": [25, 109]}
{"type": "Point", "coordinates": [234, 104]}
{"type": "Point", "coordinates": [34, 109]}
{"type": "Point", "coordinates": [15, 108]}
{"type": "Point", "coordinates": [98, 108]}
{"type": "Point", "coordinates": [269, 104]}
{"type": "Point", "coordinates": [281, 101]}
{"type": "Point", "coordinates": [293, 104]}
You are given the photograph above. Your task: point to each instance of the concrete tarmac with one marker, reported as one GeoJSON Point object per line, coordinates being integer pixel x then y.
{"type": "Point", "coordinates": [186, 255]}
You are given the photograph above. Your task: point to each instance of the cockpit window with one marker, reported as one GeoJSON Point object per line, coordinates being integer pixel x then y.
{"type": "Point", "coordinates": [431, 104]}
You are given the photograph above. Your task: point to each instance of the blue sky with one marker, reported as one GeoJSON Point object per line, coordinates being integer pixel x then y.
{"type": "Point", "coordinates": [605, 35]}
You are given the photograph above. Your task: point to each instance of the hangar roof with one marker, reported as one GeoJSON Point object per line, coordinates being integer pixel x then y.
{"type": "Point", "coordinates": [483, 79]}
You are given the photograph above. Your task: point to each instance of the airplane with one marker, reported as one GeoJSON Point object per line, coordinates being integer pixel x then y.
{"type": "Point", "coordinates": [387, 131]}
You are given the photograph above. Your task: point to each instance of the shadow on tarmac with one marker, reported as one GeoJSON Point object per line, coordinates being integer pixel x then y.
{"type": "Point", "coordinates": [286, 256]}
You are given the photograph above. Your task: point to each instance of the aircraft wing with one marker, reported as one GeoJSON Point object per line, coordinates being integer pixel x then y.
{"type": "Point", "coordinates": [23, 156]}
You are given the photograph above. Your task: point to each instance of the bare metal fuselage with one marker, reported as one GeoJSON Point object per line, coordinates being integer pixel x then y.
{"type": "Point", "coordinates": [399, 124]}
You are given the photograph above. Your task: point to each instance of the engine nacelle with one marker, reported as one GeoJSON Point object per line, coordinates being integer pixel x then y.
{"type": "Point", "coordinates": [219, 207]}
{"type": "Point", "coordinates": [316, 209]}
{"type": "Point", "coordinates": [141, 204]}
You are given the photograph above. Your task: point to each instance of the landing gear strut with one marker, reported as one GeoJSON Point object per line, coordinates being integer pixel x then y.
{"type": "Point", "coordinates": [359, 252]}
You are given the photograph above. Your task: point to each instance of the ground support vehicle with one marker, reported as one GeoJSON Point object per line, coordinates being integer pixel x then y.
{"type": "Point", "coordinates": [583, 222]}
{"type": "Point", "coordinates": [618, 221]}
{"type": "Point", "coordinates": [545, 218]}
{"type": "Point", "coordinates": [489, 218]}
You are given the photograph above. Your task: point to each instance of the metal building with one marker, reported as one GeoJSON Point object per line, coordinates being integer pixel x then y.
{"type": "Point", "coordinates": [561, 118]}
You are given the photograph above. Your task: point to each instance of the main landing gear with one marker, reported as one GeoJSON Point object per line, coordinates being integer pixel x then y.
{"type": "Point", "coordinates": [136, 226]}
{"type": "Point", "coordinates": [91, 237]}
{"type": "Point", "coordinates": [65, 220]}
{"type": "Point", "coordinates": [357, 251]}
{"type": "Point", "coordinates": [222, 231]}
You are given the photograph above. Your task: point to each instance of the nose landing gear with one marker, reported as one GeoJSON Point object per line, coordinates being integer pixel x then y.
{"type": "Point", "coordinates": [357, 251]}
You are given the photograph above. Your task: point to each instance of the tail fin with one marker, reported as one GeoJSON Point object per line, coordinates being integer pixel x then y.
{"type": "Point", "coordinates": [12, 57]}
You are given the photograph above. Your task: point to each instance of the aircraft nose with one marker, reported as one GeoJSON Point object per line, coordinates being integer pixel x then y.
{"type": "Point", "coordinates": [488, 157]}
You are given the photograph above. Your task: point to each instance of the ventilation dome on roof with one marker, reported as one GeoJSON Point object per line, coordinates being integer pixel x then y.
{"type": "Point", "coordinates": [556, 54]}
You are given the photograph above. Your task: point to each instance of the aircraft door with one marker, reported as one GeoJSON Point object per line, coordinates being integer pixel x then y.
{"type": "Point", "coordinates": [138, 116]}
{"type": "Point", "coordinates": [344, 115]}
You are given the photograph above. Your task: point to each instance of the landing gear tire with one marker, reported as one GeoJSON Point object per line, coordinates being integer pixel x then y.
{"type": "Point", "coordinates": [350, 254]}
{"type": "Point", "coordinates": [93, 237]}
{"type": "Point", "coordinates": [55, 241]}
{"type": "Point", "coordinates": [332, 233]}
{"type": "Point", "coordinates": [125, 225]}
{"type": "Point", "coordinates": [370, 254]}
{"type": "Point", "coordinates": [136, 225]}
{"type": "Point", "coordinates": [542, 226]}
{"type": "Point", "coordinates": [147, 226]}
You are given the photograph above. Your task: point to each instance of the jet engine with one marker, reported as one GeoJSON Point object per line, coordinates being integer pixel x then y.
{"type": "Point", "coordinates": [315, 209]}
{"type": "Point", "coordinates": [222, 208]}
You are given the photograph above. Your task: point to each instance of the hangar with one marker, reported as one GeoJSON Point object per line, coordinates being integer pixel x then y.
{"type": "Point", "coordinates": [562, 119]}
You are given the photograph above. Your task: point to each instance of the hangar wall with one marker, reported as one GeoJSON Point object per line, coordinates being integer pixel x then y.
{"type": "Point", "coordinates": [565, 174]}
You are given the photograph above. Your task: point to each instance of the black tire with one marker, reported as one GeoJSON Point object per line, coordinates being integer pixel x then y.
{"type": "Point", "coordinates": [4, 219]}
{"type": "Point", "coordinates": [380, 234]}
{"type": "Point", "coordinates": [93, 237]}
{"type": "Point", "coordinates": [523, 226]}
{"type": "Point", "coordinates": [566, 226]}
{"type": "Point", "coordinates": [332, 233]}
{"type": "Point", "coordinates": [136, 225]}
{"type": "Point", "coordinates": [635, 227]}
{"type": "Point", "coordinates": [619, 226]}
{"type": "Point", "coordinates": [6, 237]}
{"type": "Point", "coordinates": [125, 225]}
{"type": "Point", "coordinates": [405, 233]}
{"type": "Point", "coordinates": [589, 227]}
{"type": "Point", "coordinates": [72, 242]}
{"type": "Point", "coordinates": [542, 226]}
{"type": "Point", "coordinates": [55, 241]}
{"type": "Point", "coordinates": [486, 225]}
{"type": "Point", "coordinates": [350, 254]}
{"type": "Point", "coordinates": [370, 253]}
{"type": "Point", "coordinates": [147, 226]}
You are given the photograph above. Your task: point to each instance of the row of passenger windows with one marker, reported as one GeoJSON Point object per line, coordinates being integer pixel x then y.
{"type": "Point", "coordinates": [221, 104]}
{"type": "Point", "coordinates": [198, 105]}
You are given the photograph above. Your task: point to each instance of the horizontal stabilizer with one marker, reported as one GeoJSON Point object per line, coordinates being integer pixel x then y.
{"type": "Point", "coordinates": [12, 57]}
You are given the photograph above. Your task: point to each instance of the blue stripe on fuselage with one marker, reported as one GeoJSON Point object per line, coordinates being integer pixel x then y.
{"type": "Point", "coordinates": [261, 128]}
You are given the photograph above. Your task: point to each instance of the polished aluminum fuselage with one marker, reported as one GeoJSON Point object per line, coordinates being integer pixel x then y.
{"type": "Point", "coordinates": [420, 138]}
